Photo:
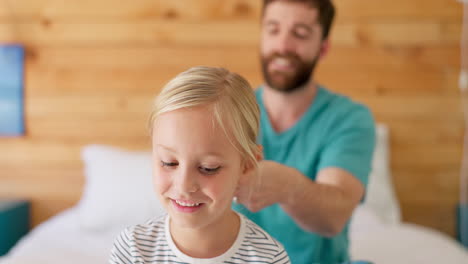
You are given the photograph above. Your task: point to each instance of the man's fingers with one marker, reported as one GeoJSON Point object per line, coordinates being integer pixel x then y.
{"type": "Point", "coordinates": [241, 196]}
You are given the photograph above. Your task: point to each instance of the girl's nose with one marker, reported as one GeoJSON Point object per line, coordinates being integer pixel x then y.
{"type": "Point", "coordinates": [187, 181]}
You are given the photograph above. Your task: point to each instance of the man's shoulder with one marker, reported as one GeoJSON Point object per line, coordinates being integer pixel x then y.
{"type": "Point", "coordinates": [258, 92]}
{"type": "Point", "coordinates": [337, 114]}
{"type": "Point", "coordinates": [338, 110]}
{"type": "Point", "coordinates": [337, 102]}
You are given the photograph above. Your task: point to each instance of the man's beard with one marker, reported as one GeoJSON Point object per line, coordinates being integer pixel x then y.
{"type": "Point", "coordinates": [288, 82]}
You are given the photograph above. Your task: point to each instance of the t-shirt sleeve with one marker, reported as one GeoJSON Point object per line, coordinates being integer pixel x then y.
{"type": "Point", "coordinates": [120, 252]}
{"type": "Point", "coordinates": [281, 257]}
{"type": "Point", "coordinates": [350, 145]}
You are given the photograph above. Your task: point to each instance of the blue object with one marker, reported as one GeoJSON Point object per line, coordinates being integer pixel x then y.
{"type": "Point", "coordinates": [462, 224]}
{"type": "Point", "coordinates": [14, 223]}
{"type": "Point", "coordinates": [11, 90]}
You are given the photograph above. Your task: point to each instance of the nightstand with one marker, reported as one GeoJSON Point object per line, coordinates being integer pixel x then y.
{"type": "Point", "coordinates": [14, 222]}
{"type": "Point", "coordinates": [462, 224]}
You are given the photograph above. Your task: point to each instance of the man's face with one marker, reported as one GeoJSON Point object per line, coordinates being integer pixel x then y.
{"type": "Point", "coordinates": [291, 44]}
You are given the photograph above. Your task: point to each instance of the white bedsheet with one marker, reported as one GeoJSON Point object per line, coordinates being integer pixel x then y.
{"type": "Point", "coordinates": [62, 240]}
{"type": "Point", "coordinates": [380, 243]}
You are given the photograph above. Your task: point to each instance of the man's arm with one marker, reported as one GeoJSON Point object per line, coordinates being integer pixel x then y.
{"type": "Point", "coordinates": [322, 206]}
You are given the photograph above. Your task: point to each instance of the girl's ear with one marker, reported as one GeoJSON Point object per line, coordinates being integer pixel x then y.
{"type": "Point", "coordinates": [249, 176]}
{"type": "Point", "coordinates": [248, 165]}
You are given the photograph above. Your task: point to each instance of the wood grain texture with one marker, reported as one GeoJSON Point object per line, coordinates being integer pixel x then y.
{"type": "Point", "coordinates": [93, 71]}
{"type": "Point", "coordinates": [236, 33]}
{"type": "Point", "coordinates": [212, 9]}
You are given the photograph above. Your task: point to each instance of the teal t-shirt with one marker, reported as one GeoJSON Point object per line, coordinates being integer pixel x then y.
{"type": "Point", "coordinates": [334, 132]}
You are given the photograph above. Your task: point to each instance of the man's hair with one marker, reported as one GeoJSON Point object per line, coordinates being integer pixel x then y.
{"type": "Point", "coordinates": [326, 12]}
{"type": "Point", "coordinates": [230, 97]}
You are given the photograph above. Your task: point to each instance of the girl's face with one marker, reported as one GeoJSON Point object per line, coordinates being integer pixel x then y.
{"type": "Point", "coordinates": [196, 169]}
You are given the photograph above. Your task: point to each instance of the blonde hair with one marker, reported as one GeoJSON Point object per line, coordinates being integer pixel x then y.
{"type": "Point", "coordinates": [231, 96]}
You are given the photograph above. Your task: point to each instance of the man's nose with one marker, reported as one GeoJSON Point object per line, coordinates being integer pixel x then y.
{"type": "Point", "coordinates": [285, 44]}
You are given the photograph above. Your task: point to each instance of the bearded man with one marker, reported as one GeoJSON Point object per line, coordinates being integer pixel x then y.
{"type": "Point", "coordinates": [318, 145]}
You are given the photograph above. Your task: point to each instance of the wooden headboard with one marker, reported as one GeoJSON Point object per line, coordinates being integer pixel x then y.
{"type": "Point", "coordinates": [94, 67]}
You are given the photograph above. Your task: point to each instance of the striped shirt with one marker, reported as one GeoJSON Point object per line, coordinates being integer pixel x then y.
{"type": "Point", "coordinates": [152, 243]}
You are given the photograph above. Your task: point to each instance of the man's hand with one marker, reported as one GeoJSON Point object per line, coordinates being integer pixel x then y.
{"type": "Point", "coordinates": [266, 185]}
{"type": "Point", "coordinates": [322, 206]}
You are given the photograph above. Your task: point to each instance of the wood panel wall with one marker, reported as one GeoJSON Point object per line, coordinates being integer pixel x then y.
{"type": "Point", "coordinates": [93, 67]}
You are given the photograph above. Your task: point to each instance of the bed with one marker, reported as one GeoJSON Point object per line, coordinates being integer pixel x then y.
{"type": "Point", "coordinates": [118, 193]}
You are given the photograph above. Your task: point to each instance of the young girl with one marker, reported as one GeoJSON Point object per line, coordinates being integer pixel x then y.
{"type": "Point", "coordinates": [204, 126]}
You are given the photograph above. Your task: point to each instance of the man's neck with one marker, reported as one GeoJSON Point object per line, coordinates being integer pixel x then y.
{"type": "Point", "coordinates": [208, 242]}
{"type": "Point", "coordinates": [285, 109]}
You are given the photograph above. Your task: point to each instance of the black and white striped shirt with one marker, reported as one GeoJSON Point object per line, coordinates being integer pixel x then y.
{"type": "Point", "coordinates": [152, 243]}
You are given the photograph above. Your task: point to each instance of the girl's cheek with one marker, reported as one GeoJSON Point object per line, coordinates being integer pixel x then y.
{"type": "Point", "coordinates": [222, 190]}
{"type": "Point", "coordinates": [161, 181]}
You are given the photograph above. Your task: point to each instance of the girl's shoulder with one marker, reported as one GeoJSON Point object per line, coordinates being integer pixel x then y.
{"type": "Point", "coordinates": [254, 232]}
{"type": "Point", "coordinates": [152, 228]}
{"type": "Point", "coordinates": [141, 243]}
{"type": "Point", "coordinates": [260, 246]}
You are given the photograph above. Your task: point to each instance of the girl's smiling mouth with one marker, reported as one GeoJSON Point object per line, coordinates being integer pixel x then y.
{"type": "Point", "coordinates": [186, 206]}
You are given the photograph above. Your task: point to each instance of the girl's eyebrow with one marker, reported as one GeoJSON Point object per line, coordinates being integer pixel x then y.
{"type": "Point", "coordinates": [166, 148]}
{"type": "Point", "coordinates": [214, 155]}
{"type": "Point", "coordinates": [209, 154]}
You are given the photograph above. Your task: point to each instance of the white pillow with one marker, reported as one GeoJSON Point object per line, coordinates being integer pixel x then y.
{"type": "Point", "coordinates": [380, 194]}
{"type": "Point", "coordinates": [118, 191]}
